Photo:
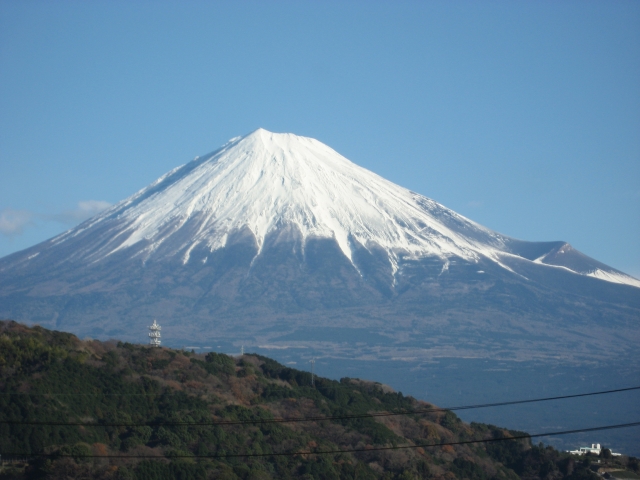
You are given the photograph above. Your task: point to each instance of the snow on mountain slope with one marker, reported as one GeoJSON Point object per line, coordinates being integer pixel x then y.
{"type": "Point", "coordinates": [565, 256]}
{"type": "Point", "coordinates": [264, 181]}
{"type": "Point", "coordinates": [614, 277]}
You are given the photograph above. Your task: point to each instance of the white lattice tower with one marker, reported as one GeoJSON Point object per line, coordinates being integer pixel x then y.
{"type": "Point", "coordinates": [154, 334]}
{"type": "Point", "coordinates": [312, 362]}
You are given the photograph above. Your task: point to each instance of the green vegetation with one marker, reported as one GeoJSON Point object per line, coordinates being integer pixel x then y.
{"type": "Point", "coordinates": [129, 394]}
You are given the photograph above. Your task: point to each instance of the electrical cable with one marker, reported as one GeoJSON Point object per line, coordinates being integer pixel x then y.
{"type": "Point", "coordinates": [330, 452]}
{"type": "Point", "coordinates": [316, 418]}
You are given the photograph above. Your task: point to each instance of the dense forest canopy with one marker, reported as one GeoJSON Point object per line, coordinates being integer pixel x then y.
{"type": "Point", "coordinates": [113, 410]}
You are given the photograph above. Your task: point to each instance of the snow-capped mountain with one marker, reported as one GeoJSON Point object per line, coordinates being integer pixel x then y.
{"type": "Point", "coordinates": [275, 230]}
{"type": "Point", "coordinates": [266, 181]}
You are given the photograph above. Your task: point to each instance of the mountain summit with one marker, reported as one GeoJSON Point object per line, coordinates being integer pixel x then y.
{"type": "Point", "coordinates": [273, 231]}
{"type": "Point", "coordinates": [265, 181]}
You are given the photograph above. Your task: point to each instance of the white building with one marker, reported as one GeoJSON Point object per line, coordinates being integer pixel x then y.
{"type": "Point", "coordinates": [595, 449]}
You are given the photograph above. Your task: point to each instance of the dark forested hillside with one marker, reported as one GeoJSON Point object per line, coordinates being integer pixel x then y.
{"type": "Point", "coordinates": [112, 410]}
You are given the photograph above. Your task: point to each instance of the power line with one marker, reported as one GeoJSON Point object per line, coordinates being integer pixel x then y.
{"type": "Point", "coordinates": [544, 399]}
{"type": "Point", "coordinates": [316, 418]}
{"type": "Point", "coordinates": [353, 450]}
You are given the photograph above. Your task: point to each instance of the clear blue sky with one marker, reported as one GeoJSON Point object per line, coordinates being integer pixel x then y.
{"type": "Point", "coordinates": [523, 116]}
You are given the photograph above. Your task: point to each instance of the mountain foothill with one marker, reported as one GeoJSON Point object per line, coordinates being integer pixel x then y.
{"type": "Point", "coordinates": [72, 408]}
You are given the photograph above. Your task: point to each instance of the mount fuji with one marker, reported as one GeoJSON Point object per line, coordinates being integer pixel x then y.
{"type": "Point", "coordinates": [276, 234]}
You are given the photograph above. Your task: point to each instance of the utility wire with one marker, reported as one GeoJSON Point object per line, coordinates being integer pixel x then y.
{"type": "Point", "coordinates": [313, 419]}
{"type": "Point", "coordinates": [74, 394]}
{"type": "Point", "coordinates": [329, 452]}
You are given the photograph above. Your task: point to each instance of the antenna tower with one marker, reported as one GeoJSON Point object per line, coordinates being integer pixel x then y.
{"type": "Point", "coordinates": [312, 362]}
{"type": "Point", "coordinates": [154, 334]}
